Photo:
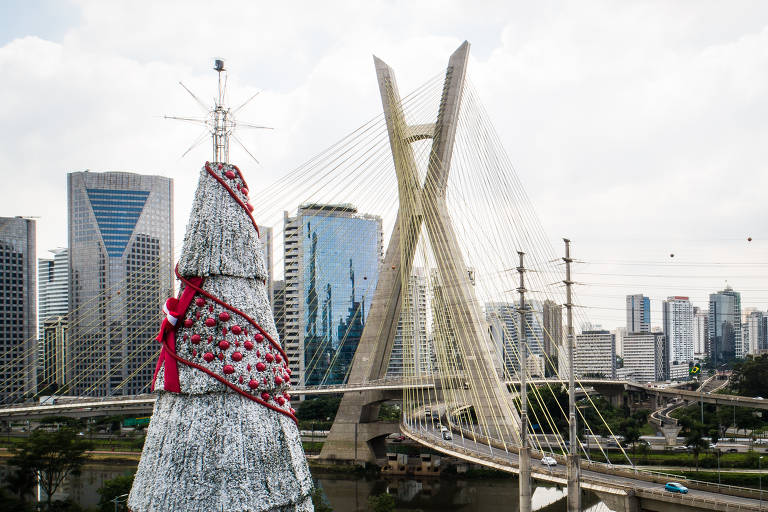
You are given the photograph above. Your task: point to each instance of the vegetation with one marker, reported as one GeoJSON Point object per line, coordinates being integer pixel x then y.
{"type": "Point", "coordinates": [748, 377]}
{"type": "Point", "coordinates": [113, 488]}
{"type": "Point", "coordinates": [321, 408]}
{"type": "Point", "coordinates": [48, 458]}
{"type": "Point", "coordinates": [383, 502]}
{"type": "Point", "coordinates": [389, 412]}
{"type": "Point", "coordinates": [319, 500]}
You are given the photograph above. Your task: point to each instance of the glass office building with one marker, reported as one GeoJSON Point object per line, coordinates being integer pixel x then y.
{"type": "Point", "coordinates": [121, 272]}
{"type": "Point", "coordinates": [332, 258]}
{"type": "Point", "coordinates": [724, 324]}
{"type": "Point", "coordinates": [18, 313]}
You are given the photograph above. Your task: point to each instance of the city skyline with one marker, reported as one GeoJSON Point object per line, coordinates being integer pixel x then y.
{"type": "Point", "coordinates": [655, 129]}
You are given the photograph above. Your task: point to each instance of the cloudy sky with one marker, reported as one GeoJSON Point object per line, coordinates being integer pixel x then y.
{"type": "Point", "coordinates": [638, 128]}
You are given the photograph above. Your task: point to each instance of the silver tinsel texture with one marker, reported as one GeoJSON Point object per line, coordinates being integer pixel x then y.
{"type": "Point", "coordinates": [209, 448]}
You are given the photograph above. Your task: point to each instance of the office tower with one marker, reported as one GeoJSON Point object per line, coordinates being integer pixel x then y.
{"type": "Point", "coordinates": [700, 333]}
{"type": "Point", "coordinates": [755, 332]}
{"type": "Point", "coordinates": [638, 314]}
{"type": "Point", "coordinates": [504, 320]}
{"type": "Point", "coordinates": [120, 274]}
{"type": "Point", "coordinates": [677, 314]}
{"type": "Point", "coordinates": [552, 325]}
{"type": "Point", "coordinates": [278, 308]}
{"type": "Point", "coordinates": [644, 357]}
{"type": "Point", "coordinates": [595, 355]}
{"type": "Point", "coordinates": [52, 303]}
{"type": "Point", "coordinates": [725, 341]}
{"type": "Point", "coordinates": [265, 235]}
{"type": "Point", "coordinates": [619, 333]}
{"type": "Point", "coordinates": [18, 308]}
{"type": "Point", "coordinates": [52, 375]}
{"type": "Point", "coordinates": [412, 352]}
{"type": "Point", "coordinates": [332, 257]}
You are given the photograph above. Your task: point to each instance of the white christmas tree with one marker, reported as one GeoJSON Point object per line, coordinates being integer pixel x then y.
{"type": "Point", "coordinates": [223, 435]}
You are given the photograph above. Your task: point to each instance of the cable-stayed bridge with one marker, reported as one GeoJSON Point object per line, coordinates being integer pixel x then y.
{"type": "Point", "coordinates": [457, 218]}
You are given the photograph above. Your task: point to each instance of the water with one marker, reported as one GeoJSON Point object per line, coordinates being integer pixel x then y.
{"type": "Point", "coordinates": [349, 493]}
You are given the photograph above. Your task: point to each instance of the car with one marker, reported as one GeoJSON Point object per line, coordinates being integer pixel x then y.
{"type": "Point", "coordinates": [761, 441]}
{"type": "Point", "coordinates": [758, 398]}
{"type": "Point", "coordinates": [731, 450]}
{"type": "Point", "coordinates": [680, 448]}
{"type": "Point", "coordinates": [548, 461]}
{"type": "Point", "coordinates": [447, 435]}
{"type": "Point", "coordinates": [676, 487]}
{"type": "Point", "coordinates": [443, 428]}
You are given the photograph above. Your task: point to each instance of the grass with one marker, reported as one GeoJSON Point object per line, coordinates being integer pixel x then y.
{"type": "Point", "coordinates": [730, 478]}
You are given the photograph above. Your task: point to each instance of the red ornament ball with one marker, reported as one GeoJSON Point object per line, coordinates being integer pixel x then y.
{"type": "Point", "coordinates": [223, 316]}
{"type": "Point", "coordinates": [208, 356]}
{"type": "Point", "coordinates": [228, 369]}
{"type": "Point", "coordinates": [269, 357]}
{"type": "Point", "coordinates": [237, 356]}
{"type": "Point", "coordinates": [259, 338]}
{"type": "Point", "coordinates": [230, 175]}
{"type": "Point", "coordinates": [195, 339]}
{"type": "Point", "coordinates": [188, 322]}
{"type": "Point", "coordinates": [261, 366]}
{"type": "Point", "coordinates": [223, 344]}
{"type": "Point", "coordinates": [287, 396]}
{"type": "Point", "coordinates": [253, 384]}
{"type": "Point", "coordinates": [210, 322]}
{"type": "Point", "coordinates": [281, 400]}
{"type": "Point", "coordinates": [278, 380]}
{"type": "Point", "coordinates": [220, 166]}
{"type": "Point", "coordinates": [200, 302]}
{"type": "Point", "coordinates": [221, 356]}
{"type": "Point", "coordinates": [265, 396]}
{"type": "Point", "coordinates": [236, 329]}
{"type": "Point", "coordinates": [244, 191]}
{"type": "Point", "coordinates": [278, 358]}
{"type": "Point", "coordinates": [248, 345]}
{"type": "Point", "coordinates": [240, 380]}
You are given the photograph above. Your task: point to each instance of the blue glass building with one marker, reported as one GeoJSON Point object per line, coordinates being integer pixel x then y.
{"type": "Point", "coordinates": [725, 340]}
{"type": "Point", "coordinates": [332, 258]}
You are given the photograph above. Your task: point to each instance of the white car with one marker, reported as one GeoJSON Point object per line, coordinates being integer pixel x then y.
{"type": "Point", "coordinates": [447, 435]}
{"type": "Point", "coordinates": [549, 461]}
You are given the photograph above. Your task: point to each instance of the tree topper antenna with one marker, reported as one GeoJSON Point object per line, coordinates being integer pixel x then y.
{"type": "Point", "coordinates": [220, 119]}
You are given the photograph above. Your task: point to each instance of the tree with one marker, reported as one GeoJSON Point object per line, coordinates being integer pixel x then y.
{"type": "Point", "coordinates": [319, 501]}
{"type": "Point", "coordinates": [113, 488]}
{"type": "Point", "coordinates": [694, 439]}
{"type": "Point", "coordinates": [748, 376]}
{"type": "Point", "coordinates": [51, 457]}
{"type": "Point", "coordinates": [383, 502]}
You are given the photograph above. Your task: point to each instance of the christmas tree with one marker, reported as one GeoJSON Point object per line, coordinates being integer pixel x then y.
{"type": "Point", "coordinates": [223, 435]}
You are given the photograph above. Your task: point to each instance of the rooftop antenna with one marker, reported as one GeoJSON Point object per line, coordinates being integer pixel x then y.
{"type": "Point", "coordinates": [220, 119]}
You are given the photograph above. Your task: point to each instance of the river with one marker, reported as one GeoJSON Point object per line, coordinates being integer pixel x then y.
{"type": "Point", "coordinates": [348, 492]}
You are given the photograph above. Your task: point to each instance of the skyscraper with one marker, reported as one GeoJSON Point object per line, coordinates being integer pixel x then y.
{"type": "Point", "coordinates": [332, 257]}
{"type": "Point", "coordinates": [52, 304]}
{"type": "Point", "coordinates": [552, 325]}
{"type": "Point", "coordinates": [755, 332]}
{"type": "Point", "coordinates": [700, 333]}
{"type": "Point", "coordinates": [725, 342]}
{"type": "Point", "coordinates": [644, 357]}
{"type": "Point", "coordinates": [18, 311]}
{"type": "Point", "coordinates": [265, 235]}
{"type": "Point", "coordinates": [595, 354]}
{"type": "Point", "coordinates": [638, 313]}
{"type": "Point", "coordinates": [504, 321]}
{"type": "Point", "coordinates": [412, 352]}
{"type": "Point", "coordinates": [677, 314]}
{"type": "Point", "coordinates": [121, 272]}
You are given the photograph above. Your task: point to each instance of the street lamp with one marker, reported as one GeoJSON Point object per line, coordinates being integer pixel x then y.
{"type": "Point", "coordinates": [760, 477]}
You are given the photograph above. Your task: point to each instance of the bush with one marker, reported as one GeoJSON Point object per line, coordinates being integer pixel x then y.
{"type": "Point", "coordinates": [112, 489]}
{"type": "Point", "coordinates": [383, 502]}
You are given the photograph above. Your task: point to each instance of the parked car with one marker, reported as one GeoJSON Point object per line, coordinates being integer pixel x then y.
{"type": "Point", "coordinates": [548, 461]}
{"type": "Point", "coordinates": [447, 435]}
{"type": "Point", "coordinates": [676, 487]}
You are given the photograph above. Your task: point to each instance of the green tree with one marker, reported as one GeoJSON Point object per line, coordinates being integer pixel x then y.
{"type": "Point", "coordinates": [319, 500]}
{"type": "Point", "coordinates": [113, 488]}
{"type": "Point", "coordinates": [748, 376]}
{"type": "Point", "coordinates": [319, 409]}
{"type": "Point", "coordinates": [51, 457]}
{"type": "Point", "coordinates": [383, 502]}
{"type": "Point", "coordinates": [694, 439]}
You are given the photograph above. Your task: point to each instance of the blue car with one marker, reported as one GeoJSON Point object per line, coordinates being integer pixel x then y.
{"type": "Point", "coordinates": [676, 487]}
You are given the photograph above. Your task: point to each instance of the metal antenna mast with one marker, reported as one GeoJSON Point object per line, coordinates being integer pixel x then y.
{"type": "Point", "coordinates": [220, 120]}
{"type": "Point", "coordinates": [573, 469]}
{"type": "Point", "coordinates": [525, 454]}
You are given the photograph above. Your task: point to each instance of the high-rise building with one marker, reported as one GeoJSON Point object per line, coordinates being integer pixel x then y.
{"type": "Point", "coordinates": [644, 357]}
{"type": "Point", "coordinates": [52, 374]}
{"type": "Point", "coordinates": [278, 308]}
{"type": "Point", "coordinates": [412, 352]}
{"type": "Point", "coordinates": [700, 333]}
{"type": "Point", "coordinates": [595, 355]}
{"type": "Point", "coordinates": [504, 320]}
{"type": "Point", "coordinates": [52, 302]}
{"type": "Point", "coordinates": [120, 274]}
{"type": "Point", "coordinates": [552, 326]}
{"type": "Point", "coordinates": [620, 333]}
{"type": "Point", "coordinates": [755, 332]}
{"type": "Point", "coordinates": [725, 340]}
{"type": "Point", "coordinates": [638, 313]}
{"type": "Point", "coordinates": [677, 315]}
{"type": "Point", "coordinates": [332, 257]}
{"type": "Point", "coordinates": [265, 235]}
{"type": "Point", "coordinates": [18, 308]}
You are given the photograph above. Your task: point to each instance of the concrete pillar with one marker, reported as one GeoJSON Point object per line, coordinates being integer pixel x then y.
{"type": "Point", "coordinates": [574, 475]}
{"type": "Point", "coordinates": [525, 480]}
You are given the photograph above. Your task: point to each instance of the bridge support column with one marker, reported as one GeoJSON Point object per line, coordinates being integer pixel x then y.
{"type": "Point", "coordinates": [620, 502]}
{"type": "Point", "coordinates": [525, 479]}
{"type": "Point", "coordinates": [573, 469]}
{"type": "Point", "coordinates": [670, 434]}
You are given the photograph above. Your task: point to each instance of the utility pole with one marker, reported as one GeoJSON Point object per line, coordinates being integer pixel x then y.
{"type": "Point", "coordinates": [525, 454]}
{"type": "Point", "coordinates": [573, 467]}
